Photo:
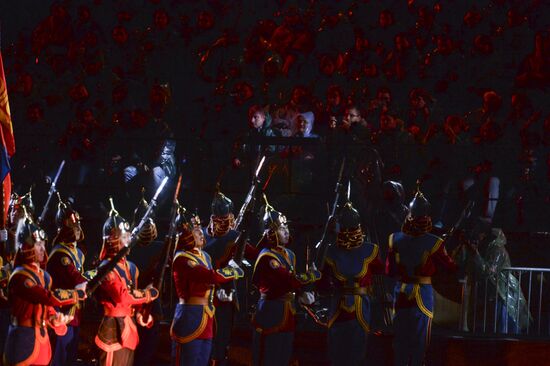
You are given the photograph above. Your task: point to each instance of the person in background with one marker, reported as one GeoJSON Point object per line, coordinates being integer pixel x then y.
{"type": "Point", "coordinates": [165, 166]}
{"type": "Point", "coordinates": [483, 255]}
{"type": "Point", "coordinates": [250, 146]}
{"type": "Point", "coordinates": [302, 125]}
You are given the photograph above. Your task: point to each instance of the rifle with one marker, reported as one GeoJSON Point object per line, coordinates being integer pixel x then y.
{"type": "Point", "coordinates": [445, 283]}
{"type": "Point", "coordinates": [379, 287]}
{"type": "Point", "coordinates": [316, 311]}
{"type": "Point", "coordinates": [105, 269]}
{"type": "Point", "coordinates": [466, 212]}
{"type": "Point", "coordinates": [51, 191]}
{"type": "Point", "coordinates": [167, 249]}
{"type": "Point", "coordinates": [323, 244]}
{"type": "Point", "coordinates": [241, 240]}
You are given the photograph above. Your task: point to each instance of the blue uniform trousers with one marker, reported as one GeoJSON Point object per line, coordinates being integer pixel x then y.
{"type": "Point", "coordinates": [4, 326]}
{"type": "Point", "coordinates": [149, 339]}
{"type": "Point", "coordinates": [222, 337]}
{"type": "Point", "coordinates": [273, 349]}
{"type": "Point", "coordinates": [347, 343]}
{"type": "Point", "coordinates": [194, 353]}
{"type": "Point", "coordinates": [411, 336]}
{"type": "Point", "coordinates": [66, 347]}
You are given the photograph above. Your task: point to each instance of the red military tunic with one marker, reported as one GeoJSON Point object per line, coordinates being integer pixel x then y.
{"type": "Point", "coordinates": [194, 280]}
{"type": "Point", "coordinates": [276, 279]}
{"type": "Point", "coordinates": [221, 250]}
{"type": "Point", "coordinates": [119, 298]}
{"type": "Point", "coordinates": [32, 307]}
{"type": "Point", "coordinates": [274, 321]}
{"type": "Point", "coordinates": [66, 266]}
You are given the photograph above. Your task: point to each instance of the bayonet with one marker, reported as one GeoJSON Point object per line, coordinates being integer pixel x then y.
{"type": "Point", "coordinates": [51, 192]}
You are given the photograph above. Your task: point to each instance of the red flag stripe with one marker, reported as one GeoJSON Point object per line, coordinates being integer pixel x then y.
{"type": "Point", "coordinates": [5, 115]}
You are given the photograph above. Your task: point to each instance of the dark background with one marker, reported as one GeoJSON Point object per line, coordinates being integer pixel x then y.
{"type": "Point", "coordinates": [90, 80]}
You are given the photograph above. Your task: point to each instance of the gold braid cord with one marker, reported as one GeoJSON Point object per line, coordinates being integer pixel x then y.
{"type": "Point", "coordinates": [220, 225]}
{"type": "Point", "coordinates": [417, 226]}
{"type": "Point", "coordinates": [351, 238]}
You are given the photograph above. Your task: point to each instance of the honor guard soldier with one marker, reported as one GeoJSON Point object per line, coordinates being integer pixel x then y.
{"type": "Point", "coordinates": [276, 278]}
{"type": "Point", "coordinates": [195, 280]}
{"type": "Point", "coordinates": [413, 258]}
{"type": "Point", "coordinates": [148, 336]}
{"type": "Point", "coordinates": [33, 301]}
{"type": "Point", "coordinates": [351, 264]}
{"type": "Point", "coordinates": [16, 211]}
{"type": "Point", "coordinates": [117, 336]}
{"type": "Point", "coordinates": [220, 245]}
{"type": "Point", "coordinates": [66, 266]}
{"type": "Point", "coordinates": [19, 207]}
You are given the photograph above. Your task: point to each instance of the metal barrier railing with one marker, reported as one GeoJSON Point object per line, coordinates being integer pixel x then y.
{"type": "Point", "coordinates": [496, 303]}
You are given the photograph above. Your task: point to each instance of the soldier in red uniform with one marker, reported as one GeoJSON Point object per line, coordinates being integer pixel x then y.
{"type": "Point", "coordinates": [220, 245]}
{"type": "Point", "coordinates": [15, 212]}
{"type": "Point", "coordinates": [66, 266]}
{"type": "Point", "coordinates": [33, 301]}
{"type": "Point", "coordinates": [414, 256]}
{"type": "Point", "coordinates": [277, 280]}
{"type": "Point", "coordinates": [149, 337]}
{"type": "Point", "coordinates": [195, 280]}
{"type": "Point", "coordinates": [117, 336]}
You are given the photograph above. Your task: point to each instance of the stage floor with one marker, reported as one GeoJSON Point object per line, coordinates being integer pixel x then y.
{"type": "Point", "coordinates": [310, 348]}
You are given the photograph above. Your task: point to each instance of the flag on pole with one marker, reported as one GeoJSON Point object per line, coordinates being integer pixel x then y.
{"type": "Point", "coordinates": [7, 147]}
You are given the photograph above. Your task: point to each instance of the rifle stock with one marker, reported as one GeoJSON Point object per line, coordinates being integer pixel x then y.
{"type": "Point", "coordinates": [166, 251]}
